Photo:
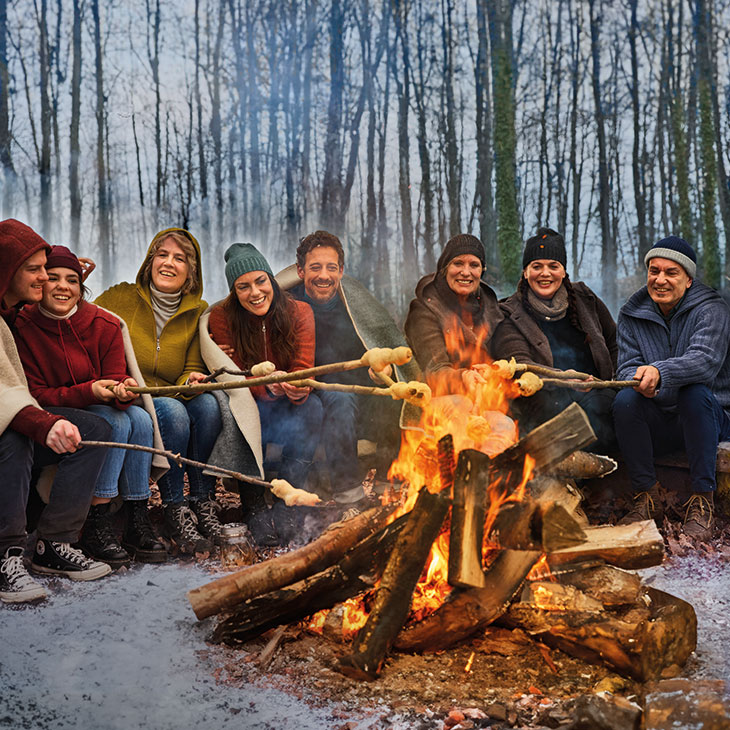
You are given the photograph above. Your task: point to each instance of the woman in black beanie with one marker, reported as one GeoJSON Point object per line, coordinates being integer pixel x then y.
{"type": "Point", "coordinates": [452, 319]}
{"type": "Point", "coordinates": [553, 322]}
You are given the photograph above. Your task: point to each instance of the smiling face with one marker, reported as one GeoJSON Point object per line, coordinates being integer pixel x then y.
{"type": "Point", "coordinates": [170, 267]}
{"type": "Point", "coordinates": [62, 291]}
{"type": "Point", "coordinates": [321, 274]}
{"type": "Point", "coordinates": [545, 277]}
{"type": "Point", "coordinates": [27, 282]}
{"type": "Point", "coordinates": [463, 273]}
{"type": "Point", "coordinates": [254, 292]}
{"type": "Point", "coordinates": [667, 283]}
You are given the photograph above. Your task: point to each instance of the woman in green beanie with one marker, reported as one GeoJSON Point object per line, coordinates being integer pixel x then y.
{"type": "Point", "coordinates": [258, 322]}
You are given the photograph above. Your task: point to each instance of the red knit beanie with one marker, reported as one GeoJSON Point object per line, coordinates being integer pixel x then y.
{"type": "Point", "coordinates": [61, 256]}
{"type": "Point", "coordinates": [18, 243]}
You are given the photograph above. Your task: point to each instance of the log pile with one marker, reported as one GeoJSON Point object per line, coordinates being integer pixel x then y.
{"type": "Point", "coordinates": [499, 522]}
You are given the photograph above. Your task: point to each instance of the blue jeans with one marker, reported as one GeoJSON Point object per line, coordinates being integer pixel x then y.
{"type": "Point", "coordinates": [339, 436]}
{"type": "Point", "coordinates": [189, 428]}
{"type": "Point", "coordinates": [296, 427]}
{"type": "Point", "coordinates": [125, 472]}
{"type": "Point", "coordinates": [644, 430]}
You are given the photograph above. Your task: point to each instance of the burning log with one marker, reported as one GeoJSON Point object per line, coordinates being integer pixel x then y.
{"type": "Point", "coordinates": [634, 546]}
{"type": "Point", "coordinates": [400, 576]}
{"type": "Point", "coordinates": [467, 519]}
{"type": "Point", "coordinates": [355, 573]}
{"type": "Point", "coordinates": [607, 584]}
{"type": "Point", "coordinates": [639, 641]}
{"type": "Point", "coordinates": [328, 548]}
{"type": "Point", "coordinates": [584, 465]}
{"type": "Point", "coordinates": [467, 611]}
{"type": "Point", "coordinates": [529, 525]}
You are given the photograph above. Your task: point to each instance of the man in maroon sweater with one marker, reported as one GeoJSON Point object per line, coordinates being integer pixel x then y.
{"type": "Point", "coordinates": [31, 438]}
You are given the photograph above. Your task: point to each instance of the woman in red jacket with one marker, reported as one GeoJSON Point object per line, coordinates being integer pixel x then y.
{"type": "Point", "coordinates": [257, 322]}
{"type": "Point", "coordinates": [73, 355]}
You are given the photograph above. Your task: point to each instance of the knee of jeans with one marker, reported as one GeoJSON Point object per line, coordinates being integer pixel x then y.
{"type": "Point", "coordinates": [340, 405]}
{"type": "Point", "coordinates": [204, 409]}
{"type": "Point", "coordinates": [16, 446]}
{"type": "Point", "coordinates": [625, 403]}
{"type": "Point", "coordinates": [172, 417]}
{"type": "Point", "coordinates": [694, 395]}
{"type": "Point", "coordinates": [141, 424]}
{"type": "Point", "coordinates": [97, 429]}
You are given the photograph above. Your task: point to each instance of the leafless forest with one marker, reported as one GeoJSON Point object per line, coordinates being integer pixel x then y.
{"type": "Point", "coordinates": [394, 123]}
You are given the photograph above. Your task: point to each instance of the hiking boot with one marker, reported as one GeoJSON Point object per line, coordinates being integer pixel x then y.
{"type": "Point", "coordinates": [647, 506]}
{"type": "Point", "coordinates": [59, 558]}
{"type": "Point", "coordinates": [257, 515]}
{"type": "Point", "coordinates": [698, 519]}
{"type": "Point", "coordinates": [181, 527]}
{"type": "Point", "coordinates": [16, 586]}
{"type": "Point", "coordinates": [206, 510]}
{"type": "Point", "coordinates": [98, 539]}
{"type": "Point", "coordinates": [139, 538]}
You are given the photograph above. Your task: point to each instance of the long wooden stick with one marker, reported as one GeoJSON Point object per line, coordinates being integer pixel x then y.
{"type": "Point", "coordinates": [523, 367]}
{"type": "Point", "coordinates": [590, 384]}
{"type": "Point", "coordinates": [180, 460]}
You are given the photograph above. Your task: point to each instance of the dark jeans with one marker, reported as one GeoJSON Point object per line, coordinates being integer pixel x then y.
{"type": "Point", "coordinates": [536, 409]}
{"type": "Point", "coordinates": [347, 417]}
{"type": "Point", "coordinates": [189, 428]}
{"type": "Point", "coordinates": [73, 485]}
{"type": "Point", "coordinates": [644, 431]}
{"type": "Point", "coordinates": [296, 427]}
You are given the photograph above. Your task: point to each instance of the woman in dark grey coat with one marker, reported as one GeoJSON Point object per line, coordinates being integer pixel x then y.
{"type": "Point", "coordinates": [452, 319]}
{"type": "Point", "coordinates": [553, 322]}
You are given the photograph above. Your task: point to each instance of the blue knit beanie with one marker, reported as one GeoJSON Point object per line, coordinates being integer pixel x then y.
{"type": "Point", "coordinates": [241, 258]}
{"type": "Point", "coordinates": [675, 249]}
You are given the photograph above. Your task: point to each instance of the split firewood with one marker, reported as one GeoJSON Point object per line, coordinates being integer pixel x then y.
{"type": "Point", "coordinates": [584, 465]}
{"type": "Point", "coordinates": [327, 549]}
{"type": "Point", "coordinates": [393, 598]}
{"type": "Point", "coordinates": [634, 546]}
{"type": "Point", "coordinates": [639, 641]}
{"type": "Point", "coordinates": [355, 573]}
{"type": "Point", "coordinates": [398, 355]}
{"type": "Point", "coordinates": [610, 585]}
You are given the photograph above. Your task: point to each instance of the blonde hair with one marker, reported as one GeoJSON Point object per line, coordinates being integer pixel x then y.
{"type": "Point", "coordinates": [192, 283]}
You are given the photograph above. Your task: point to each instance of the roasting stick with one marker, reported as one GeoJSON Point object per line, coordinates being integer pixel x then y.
{"type": "Point", "coordinates": [592, 384]}
{"type": "Point", "coordinates": [396, 356]}
{"type": "Point", "coordinates": [280, 487]}
{"type": "Point", "coordinates": [414, 392]}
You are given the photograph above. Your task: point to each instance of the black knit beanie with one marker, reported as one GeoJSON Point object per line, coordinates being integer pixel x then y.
{"type": "Point", "coordinates": [462, 243]}
{"type": "Point", "coordinates": [545, 244]}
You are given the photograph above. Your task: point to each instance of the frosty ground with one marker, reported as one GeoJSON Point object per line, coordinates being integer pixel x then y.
{"type": "Point", "coordinates": [126, 652]}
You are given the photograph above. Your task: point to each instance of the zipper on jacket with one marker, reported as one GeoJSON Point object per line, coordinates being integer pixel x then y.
{"type": "Point", "coordinates": [266, 350]}
{"type": "Point", "coordinates": [157, 355]}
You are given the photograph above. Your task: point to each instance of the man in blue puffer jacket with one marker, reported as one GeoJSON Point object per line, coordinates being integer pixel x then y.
{"type": "Point", "coordinates": [673, 337]}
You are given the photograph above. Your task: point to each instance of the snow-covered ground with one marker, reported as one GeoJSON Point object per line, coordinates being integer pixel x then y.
{"type": "Point", "coordinates": [122, 652]}
{"type": "Point", "coordinates": [126, 652]}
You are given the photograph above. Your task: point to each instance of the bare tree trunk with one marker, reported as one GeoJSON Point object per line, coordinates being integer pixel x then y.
{"type": "Point", "coordinates": [6, 158]}
{"type": "Point", "coordinates": [453, 176]}
{"type": "Point", "coordinates": [153, 54]}
{"type": "Point", "coordinates": [608, 249]}
{"type": "Point", "coordinates": [202, 162]}
{"type": "Point", "coordinates": [215, 126]}
{"type": "Point", "coordinates": [44, 161]}
{"type": "Point", "coordinates": [75, 148]}
{"type": "Point", "coordinates": [106, 245]}
{"type": "Point", "coordinates": [254, 106]}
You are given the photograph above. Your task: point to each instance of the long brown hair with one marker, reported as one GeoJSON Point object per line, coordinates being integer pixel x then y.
{"type": "Point", "coordinates": [246, 329]}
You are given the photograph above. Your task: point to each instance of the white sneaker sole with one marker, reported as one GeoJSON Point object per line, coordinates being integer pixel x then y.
{"type": "Point", "coordinates": [99, 570]}
{"type": "Point", "coordinates": [26, 596]}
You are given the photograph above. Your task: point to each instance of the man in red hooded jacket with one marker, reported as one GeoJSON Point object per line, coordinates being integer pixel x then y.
{"type": "Point", "coordinates": [31, 438]}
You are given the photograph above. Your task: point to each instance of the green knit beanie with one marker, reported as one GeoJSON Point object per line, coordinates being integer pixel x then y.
{"type": "Point", "coordinates": [241, 258]}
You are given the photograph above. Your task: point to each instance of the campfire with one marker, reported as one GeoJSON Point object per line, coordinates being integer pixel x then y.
{"type": "Point", "coordinates": [485, 528]}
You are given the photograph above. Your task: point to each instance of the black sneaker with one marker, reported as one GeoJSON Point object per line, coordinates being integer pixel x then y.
{"type": "Point", "coordinates": [16, 586]}
{"type": "Point", "coordinates": [59, 558]}
{"type": "Point", "coordinates": [139, 538]}
{"type": "Point", "coordinates": [206, 511]}
{"type": "Point", "coordinates": [181, 528]}
{"type": "Point", "coordinates": [98, 539]}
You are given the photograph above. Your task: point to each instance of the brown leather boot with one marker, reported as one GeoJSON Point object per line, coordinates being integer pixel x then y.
{"type": "Point", "coordinates": [647, 506]}
{"type": "Point", "coordinates": [699, 516]}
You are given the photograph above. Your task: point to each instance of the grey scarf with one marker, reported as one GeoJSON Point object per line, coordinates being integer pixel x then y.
{"type": "Point", "coordinates": [549, 309]}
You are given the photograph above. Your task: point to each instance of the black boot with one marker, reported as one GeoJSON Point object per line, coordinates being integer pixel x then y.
{"type": "Point", "coordinates": [98, 539]}
{"type": "Point", "coordinates": [139, 537]}
{"type": "Point", "coordinates": [257, 515]}
{"type": "Point", "coordinates": [206, 510]}
{"type": "Point", "coordinates": [180, 526]}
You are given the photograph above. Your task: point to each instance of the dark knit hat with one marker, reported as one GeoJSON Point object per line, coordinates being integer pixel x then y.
{"type": "Point", "coordinates": [241, 258]}
{"type": "Point", "coordinates": [675, 249]}
{"type": "Point", "coordinates": [462, 243]}
{"type": "Point", "coordinates": [545, 244]}
{"type": "Point", "coordinates": [61, 256]}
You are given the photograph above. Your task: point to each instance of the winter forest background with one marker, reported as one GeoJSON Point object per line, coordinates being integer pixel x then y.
{"type": "Point", "coordinates": [393, 123]}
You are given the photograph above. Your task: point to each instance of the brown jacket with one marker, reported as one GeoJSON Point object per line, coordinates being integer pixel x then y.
{"type": "Point", "coordinates": [520, 336]}
{"type": "Point", "coordinates": [440, 340]}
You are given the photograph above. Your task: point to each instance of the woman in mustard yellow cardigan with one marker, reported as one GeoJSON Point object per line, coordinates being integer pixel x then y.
{"type": "Point", "coordinates": [162, 309]}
